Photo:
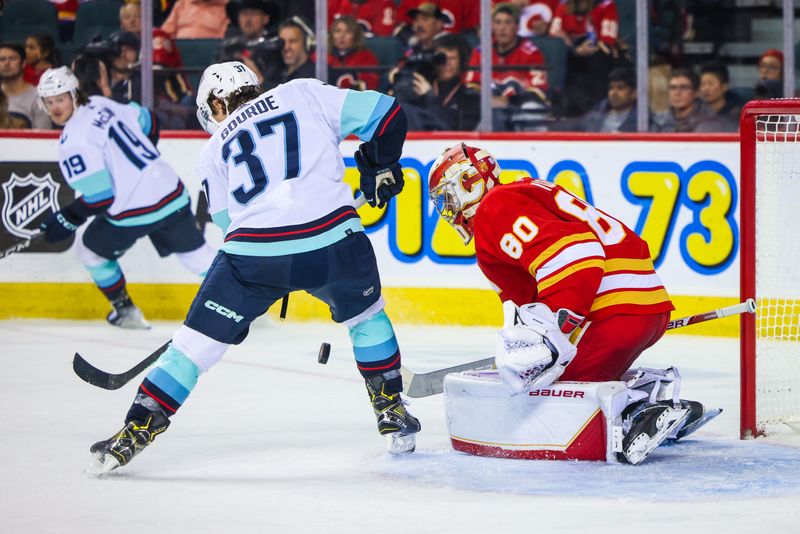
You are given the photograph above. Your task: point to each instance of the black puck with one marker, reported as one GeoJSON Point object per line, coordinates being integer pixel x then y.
{"type": "Point", "coordinates": [324, 352]}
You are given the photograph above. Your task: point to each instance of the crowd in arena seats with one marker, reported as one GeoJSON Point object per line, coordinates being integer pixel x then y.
{"type": "Point", "coordinates": [562, 65]}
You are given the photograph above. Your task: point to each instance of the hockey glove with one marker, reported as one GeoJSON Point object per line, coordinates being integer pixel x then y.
{"type": "Point", "coordinates": [379, 183]}
{"type": "Point", "coordinates": [531, 352]}
{"type": "Point", "coordinates": [62, 224]}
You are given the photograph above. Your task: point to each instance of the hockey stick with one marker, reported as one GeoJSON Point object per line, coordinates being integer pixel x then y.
{"type": "Point", "coordinates": [97, 377]}
{"type": "Point", "coordinates": [426, 384]}
{"type": "Point", "coordinates": [22, 245]}
{"type": "Point", "coordinates": [102, 379]}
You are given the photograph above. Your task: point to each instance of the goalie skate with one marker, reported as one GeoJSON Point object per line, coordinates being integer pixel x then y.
{"type": "Point", "coordinates": [646, 426]}
{"type": "Point", "coordinates": [698, 417]}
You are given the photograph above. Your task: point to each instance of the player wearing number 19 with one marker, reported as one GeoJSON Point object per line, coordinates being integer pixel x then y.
{"type": "Point", "coordinates": [273, 173]}
{"type": "Point", "coordinates": [589, 298]}
{"type": "Point", "coordinates": [107, 153]}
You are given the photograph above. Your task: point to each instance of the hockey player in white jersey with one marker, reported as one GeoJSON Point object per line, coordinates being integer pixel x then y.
{"type": "Point", "coordinates": [273, 174]}
{"type": "Point", "coordinates": [107, 153]}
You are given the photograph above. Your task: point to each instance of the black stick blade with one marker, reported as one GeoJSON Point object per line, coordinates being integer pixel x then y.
{"type": "Point", "coordinates": [102, 379]}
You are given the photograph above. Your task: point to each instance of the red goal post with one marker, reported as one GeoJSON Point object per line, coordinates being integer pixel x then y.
{"type": "Point", "coordinates": [770, 265]}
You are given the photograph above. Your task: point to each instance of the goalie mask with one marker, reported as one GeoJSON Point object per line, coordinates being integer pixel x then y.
{"type": "Point", "coordinates": [220, 81]}
{"type": "Point", "coordinates": [458, 181]}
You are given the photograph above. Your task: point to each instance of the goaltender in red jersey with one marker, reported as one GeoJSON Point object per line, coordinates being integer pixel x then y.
{"type": "Point", "coordinates": [582, 301]}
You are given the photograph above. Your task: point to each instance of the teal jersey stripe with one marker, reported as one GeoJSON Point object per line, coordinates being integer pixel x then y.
{"type": "Point", "coordinates": [94, 183]}
{"type": "Point", "coordinates": [374, 331]}
{"type": "Point", "coordinates": [295, 246]}
{"type": "Point", "coordinates": [155, 216]}
{"type": "Point", "coordinates": [222, 219]}
{"type": "Point", "coordinates": [144, 119]}
{"type": "Point", "coordinates": [102, 195]}
{"type": "Point", "coordinates": [362, 112]}
{"type": "Point", "coordinates": [376, 353]}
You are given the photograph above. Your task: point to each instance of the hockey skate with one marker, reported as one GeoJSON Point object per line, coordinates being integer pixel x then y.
{"type": "Point", "coordinates": [698, 417]}
{"type": "Point", "coordinates": [645, 426]}
{"type": "Point", "coordinates": [126, 315]}
{"type": "Point", "coordinates": [123, 446]}
{"type": "Point", "coordinates": [394, 420]}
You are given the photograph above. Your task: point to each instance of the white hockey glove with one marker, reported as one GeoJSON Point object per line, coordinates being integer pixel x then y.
{"type": "Point", "coordinates": [531, 352]}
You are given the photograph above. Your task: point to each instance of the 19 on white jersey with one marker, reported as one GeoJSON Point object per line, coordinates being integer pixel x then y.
{"type": "Point", "coordinates": [105, 154]}
{"type": "Point", "coordinates": [275, 162]}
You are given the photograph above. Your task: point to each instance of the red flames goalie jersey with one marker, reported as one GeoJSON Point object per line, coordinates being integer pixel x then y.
{"type": "Point", "coordinates": [536, 242]}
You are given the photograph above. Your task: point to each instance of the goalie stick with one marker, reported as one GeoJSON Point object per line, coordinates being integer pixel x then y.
{"type": "Point", "coordinates": [431, 383]}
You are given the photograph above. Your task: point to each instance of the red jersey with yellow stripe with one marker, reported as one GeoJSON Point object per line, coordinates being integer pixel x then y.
{"type": "Point", "coordinates": [535, 241]}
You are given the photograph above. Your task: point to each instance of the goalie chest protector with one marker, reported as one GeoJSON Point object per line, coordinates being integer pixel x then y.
{"type": "Point", "coordinates": [566, 421]}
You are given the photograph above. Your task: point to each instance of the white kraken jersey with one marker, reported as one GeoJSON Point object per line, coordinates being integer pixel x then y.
{"type": "Point", "coordinates": [273, 171]}
{"type": "Point", "coordinates": [105, 154]}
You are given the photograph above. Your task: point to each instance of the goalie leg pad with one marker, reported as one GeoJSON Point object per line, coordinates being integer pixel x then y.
{"type": "Point", "coordinates": [566, 421]}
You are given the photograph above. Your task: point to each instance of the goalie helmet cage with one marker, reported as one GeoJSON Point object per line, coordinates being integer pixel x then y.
{"type": "Point", "coordinates": [770, 265]}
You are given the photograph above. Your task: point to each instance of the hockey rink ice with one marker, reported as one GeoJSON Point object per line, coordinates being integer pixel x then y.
{"type": "Point", "coordinates": [272, 441]}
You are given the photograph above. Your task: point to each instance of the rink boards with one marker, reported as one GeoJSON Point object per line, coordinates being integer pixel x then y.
{"type": "Point", "coordinates": [679, 192]}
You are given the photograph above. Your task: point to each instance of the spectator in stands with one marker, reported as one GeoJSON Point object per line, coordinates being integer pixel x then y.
{"type": "Point", "coordinates": [419, 58]}
{"type": "Point", "coordinates": [295, 53]}
{"type": "Point", "coordinates": [346, 49]}
{"type": "Point", "coordinates": [718, 102]}
{"type": "Point", "coordinates": [67, 11]}
{"type": "Point", "coordinates": [460, 16]}
{"type": "Point", "coordinates": [590, 32]}
{"type": "Point", "coordinates": [445, 103]}
{"type": "Point", "coordinates": [770, 75]}
{"type": "Point", "coordinates": [685, 112]}
{"type": "Point", "coordinates": [252, 19]}
{"type": "Point", "coordinates": [534, 15]}
{"type": "Point", "coordinates": [40, 55]}
{"type": "Point", "coordinates": [197, 19]}
{"type": "Point", "coordinates": [174, 101]}
{"type": "Point", "coordinates": [125, 87]}
{"type": "Point", "coordinates": [425, 22]}
{"type": "Point", "coordinates": [130, 18]}
{"type": "Point", "coordinates": [617, 113]}
{"type": "Point", "coordinates": [9, 120]}
{"type": "Point", "coordinates": [508, 49]}
{"type": "Point", "coordinates": [376, 17]}
{"type": "Point", "coordinates": [22, 96]}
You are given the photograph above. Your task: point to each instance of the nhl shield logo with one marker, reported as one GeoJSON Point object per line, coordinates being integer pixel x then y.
{"type": "Point", "coordinates": [25, 200]}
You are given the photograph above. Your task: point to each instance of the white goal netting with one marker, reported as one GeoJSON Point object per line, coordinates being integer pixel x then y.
{"type": "Point", "coordinates": [777, 247]}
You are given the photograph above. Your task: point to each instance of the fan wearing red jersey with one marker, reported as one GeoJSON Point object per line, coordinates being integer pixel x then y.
{"type": "Point", "coordinates": [509, 50]}
{"type": "Point", "coordinates": [586, 298]}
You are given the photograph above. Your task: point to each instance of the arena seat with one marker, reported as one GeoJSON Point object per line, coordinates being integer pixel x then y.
{"type": "Point", "coordinates": [555, 55]}
{"type": "Point", "coordinates": [21, 18]}
{"type": "Point", "coordinates": [388, 50]}
{"type": "Point", "coordinates": [95, 20]}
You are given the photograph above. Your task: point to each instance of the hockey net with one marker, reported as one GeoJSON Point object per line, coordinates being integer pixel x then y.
{"type": "Point", "coordinates": [770, 266]}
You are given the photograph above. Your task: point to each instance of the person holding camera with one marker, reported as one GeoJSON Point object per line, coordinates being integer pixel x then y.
{"type": "Point", "coordinates": [428, 23]}
{"type": "Point", "coordinates": [251, 37]}
{"type": "Point", "coordinates": [443, 102]}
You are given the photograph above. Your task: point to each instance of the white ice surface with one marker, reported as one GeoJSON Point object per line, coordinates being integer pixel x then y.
{"type": "Point", "coordinates": [271, 441]}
